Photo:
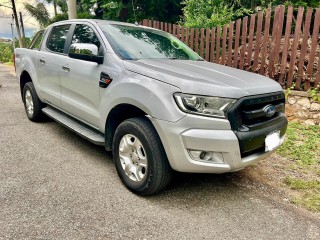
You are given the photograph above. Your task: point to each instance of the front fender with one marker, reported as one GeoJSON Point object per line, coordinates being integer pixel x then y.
{"type": "Point", "coordinates": [153, 97]}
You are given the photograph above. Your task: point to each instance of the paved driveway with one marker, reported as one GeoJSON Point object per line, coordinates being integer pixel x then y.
{"type": "Point", "coordinates": [56, 185]}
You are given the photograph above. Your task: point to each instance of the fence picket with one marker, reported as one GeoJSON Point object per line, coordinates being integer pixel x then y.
{"type": "Point", "coordinates": [201, 42]}
{"type": "Point", "coordinates": [317, 81]}
{"type": "Point", "coordinates": [186, 40]}
{"type": "Point", "coordinates": [250, 44]}
{"type": "Point", "coordinates": [257, 45]}
{"type": "Point", "coordinates": [294, 46]}
{"type": "Point", "coordinates": [278, 39]}
{"type": "Point", "coordinates": [178, 32]}
{"type": "Point", "coordinates": [145, 22]}
{"type": "Point", "coordinates": [304, 45]}
{"type": "Point", "coordinates": [236, 44]}
{"type": "Point", "coordinates": [224, 45]}
{"type": "Point", "coordinates": [213, 34]}
{"type": "Point", "coordinates": [192, 39]}
{"type": "Point", "coordinates": [182, 34]}
{"type": "Point", "coordinates": [197, 41]}
{"type": "Point", "coordinates": [174, 29]}
{"type": "Point", "coordinates": [243, 41]}
{"type": "Point", "coordinates": [285, 46]}
{"type": "Point", "coordinates": [230, 42]}
{"type": "Point", "coordinates": [218, 45]}
{"type": "Point", "coordinates": [273, 42]}
{"type": "Point", "coordinates": [265, 42]}
{"type": "Point", "coordinates": [207, 44]}
{"type": "Point", "coordinates": [315, 34]}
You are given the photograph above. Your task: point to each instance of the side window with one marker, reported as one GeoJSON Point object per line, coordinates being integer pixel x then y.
{"type": "Point", "coordinates": [84, 34]}
{"type": "Point", "coordinates": [36, 42]}
{"type": "Point", "coordinates": [58, 38]}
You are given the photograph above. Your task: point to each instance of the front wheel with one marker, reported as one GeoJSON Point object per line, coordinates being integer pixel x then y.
{"type": "Point", "coordinates": [139, 156]}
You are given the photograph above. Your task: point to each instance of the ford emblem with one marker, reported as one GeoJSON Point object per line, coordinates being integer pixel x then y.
{"type": "Point", "coordinates": [269, 110]}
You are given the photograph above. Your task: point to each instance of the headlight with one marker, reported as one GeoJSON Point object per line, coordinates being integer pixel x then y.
{"type": "Point", "coordinates": [208, 106]}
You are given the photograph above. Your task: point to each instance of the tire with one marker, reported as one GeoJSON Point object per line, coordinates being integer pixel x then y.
{"type": "Point", "coordinates": [147, 170]}
{"type": "Point", "coordinates": [32, 103]}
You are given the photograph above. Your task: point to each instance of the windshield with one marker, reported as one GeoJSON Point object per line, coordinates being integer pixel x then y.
{"type": "Point", "coordinates": [134, 43]}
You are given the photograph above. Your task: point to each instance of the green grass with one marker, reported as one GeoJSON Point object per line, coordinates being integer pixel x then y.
{"type": "Point", "coordinates": [9, 63]}
{"type": "Point", "coordinates": [302, 147]}
{"type": "Point", "coordinates": [298, 184]}
{"type": "Point", "coordinates": [309, 201]}
{"type": "Point", "coordinates": [302, 144]}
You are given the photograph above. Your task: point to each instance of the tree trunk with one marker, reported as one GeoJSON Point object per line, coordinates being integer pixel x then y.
{"type": "Point", "coordinates": [124, 12]}
{"type": "Point", "coordinates": [55, 8]}
{"type": "Point", "coordinates": [72, 9]}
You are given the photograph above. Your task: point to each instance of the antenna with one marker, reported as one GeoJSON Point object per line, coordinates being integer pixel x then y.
{"type": "Point", "coordinates": [134, 13]}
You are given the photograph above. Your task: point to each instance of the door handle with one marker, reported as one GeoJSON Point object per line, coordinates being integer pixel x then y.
{"type": "Point", "coordinates": [65, 68]}
{"type": "Point", "coordinates": [42, 61]}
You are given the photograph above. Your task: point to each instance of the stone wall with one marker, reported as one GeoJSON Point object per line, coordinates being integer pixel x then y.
{"type": "Point", "coordinates": [302, 108]}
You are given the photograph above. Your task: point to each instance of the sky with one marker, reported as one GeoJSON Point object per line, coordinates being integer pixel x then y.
{"type": "Point", "coordinates": [30, 24]}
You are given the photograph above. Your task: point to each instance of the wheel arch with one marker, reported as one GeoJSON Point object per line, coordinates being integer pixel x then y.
{"type": "Point", "coordinates": [24, 78]}
{"type": "Point", "coordinates": [116, 116]}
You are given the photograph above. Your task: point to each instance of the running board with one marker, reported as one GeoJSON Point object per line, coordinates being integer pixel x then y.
{"type": "Point", "coordinates": [76, 126]}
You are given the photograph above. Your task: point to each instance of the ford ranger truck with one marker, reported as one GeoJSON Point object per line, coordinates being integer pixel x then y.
{"type": "Point", "coordinates": [147, 97]}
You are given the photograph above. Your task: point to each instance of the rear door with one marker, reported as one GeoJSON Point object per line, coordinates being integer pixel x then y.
{"type": "Point", "coordinates": [50, 61]}
{"type": "Point", "coordinates": [80, 79]}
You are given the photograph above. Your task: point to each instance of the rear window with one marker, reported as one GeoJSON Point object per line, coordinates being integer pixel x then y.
{"type": "Point", "coordinates": [36, 42]}
{"type": "Point", "coordinates": [58, 38]}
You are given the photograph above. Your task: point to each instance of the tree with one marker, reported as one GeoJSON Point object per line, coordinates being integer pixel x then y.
{"type": "Point", "coordinates": [39, 12]}
{"type": "Point", "coordinates": [136, 10]}
{"type": "Point", "coordinates": [209, 13]}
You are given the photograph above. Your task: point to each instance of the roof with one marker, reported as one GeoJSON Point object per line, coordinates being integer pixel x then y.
{"type": "Point", "coordinates": [98, 21]}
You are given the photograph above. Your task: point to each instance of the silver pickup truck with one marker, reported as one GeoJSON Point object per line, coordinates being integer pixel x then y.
{"type": "Point", "coordinates": [144, 95]}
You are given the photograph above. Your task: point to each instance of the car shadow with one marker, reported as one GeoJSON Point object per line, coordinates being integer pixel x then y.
{"type": "Point", "coordinates": [185, 188]}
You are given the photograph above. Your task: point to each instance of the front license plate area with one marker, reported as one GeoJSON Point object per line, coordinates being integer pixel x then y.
{"type": "Point", "coordinates": [272, 141]}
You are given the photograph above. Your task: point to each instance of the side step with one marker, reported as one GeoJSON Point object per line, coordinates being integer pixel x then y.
{"type": "Point", "coordinates": [78, 127]}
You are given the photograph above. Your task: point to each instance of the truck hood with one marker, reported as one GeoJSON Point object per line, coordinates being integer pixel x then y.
{"type": "Point", "coordinates": [204, 78]}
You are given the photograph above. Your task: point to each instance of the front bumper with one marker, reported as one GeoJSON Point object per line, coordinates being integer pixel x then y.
{"type": "Point", "coordinates": [205, 134]}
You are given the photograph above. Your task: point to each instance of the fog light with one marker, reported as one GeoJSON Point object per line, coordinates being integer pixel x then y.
{"type": "Point", "coordinates": [214, 157]}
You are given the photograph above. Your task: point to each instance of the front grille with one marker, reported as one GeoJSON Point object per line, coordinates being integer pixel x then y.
{"type": "Point", "coordinates": [248, 112]}
{"type": "Point", "coordinates": [251, 125]}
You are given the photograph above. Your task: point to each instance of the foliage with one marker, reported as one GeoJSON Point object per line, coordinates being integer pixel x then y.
{"type": "Point", "coordinates": [204, 13]}
{"type": "Point", "coordinates": [302, 149]}
{"type": "Point", "coordinates": [136, 10]}
{"type": "Point", "coordinates": [209, 13]}
{"type": "Point", "coordinates": [269, 3]}
{"type": "Point", "coordinates": [308, 192]}
{"type": "Point", "coordinates": [6, 52]}
{"type": "Point", "coordinates": [298, 184]}
{"type": "Point", "coordinates": [39, 12]}
{"type": "Point", "coordinates": [302, 144]}
{"type": "Point", "coordinates": [315, 93]}
{"type": "Point", "coordinates": [64, 16]}
{"type": "Point", "coordinates": [288, 91]}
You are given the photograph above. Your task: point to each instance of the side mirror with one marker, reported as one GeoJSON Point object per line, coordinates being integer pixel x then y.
{"type": "Point", "coordinates": [86, 52]}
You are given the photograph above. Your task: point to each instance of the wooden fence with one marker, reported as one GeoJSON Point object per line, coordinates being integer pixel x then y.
{"type": "Point", "coordinates": [283, 44]}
